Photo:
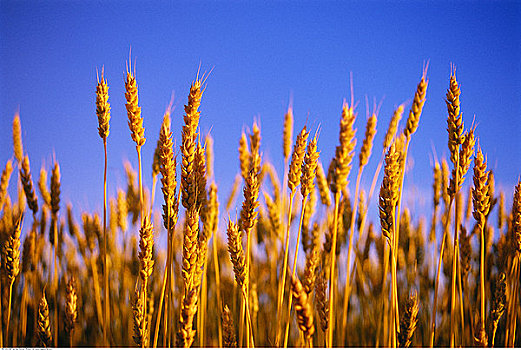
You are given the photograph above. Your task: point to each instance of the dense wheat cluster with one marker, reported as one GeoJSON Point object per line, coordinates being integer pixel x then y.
{"type": "Point", "coordinates": [229, 274]}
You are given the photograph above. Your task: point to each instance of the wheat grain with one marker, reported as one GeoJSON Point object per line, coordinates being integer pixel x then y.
{"type": "Point", "coordinates": [417, 106]}
{"type": "Point", "coordinates": [4, 181]}
{"type": "Point", "coordinates": [71, 307]}
{"type": "Point", "coordinates": [409, 320]}
{"type": "Point", "coordinates": [393, 126]}
{"type": "Point", "coordinates": [135, 121]}
{"type": "Point", "coordinates": [367, 145]}
{"type": "Point", "coordinates": [230, 341]}
{"type": "Point", "coordinates": [103, 107]}
{"type": "Point", "coordinates": [17, 139]}
{"type": "Point", "coordinates": [303, 309]}
{"type": "Point", "coordinates": [325, 196]}
{"type": "Point", "coordinates": [295, 168]}
{"type": "Point", "coordinates": [341, 164]}
{"type": "Point", "coordinates": [44, 326]}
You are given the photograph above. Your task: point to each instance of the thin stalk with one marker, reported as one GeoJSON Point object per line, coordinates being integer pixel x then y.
{"type": "Point", "coordinates": [97, 296]}
{"type": "Point", "coordinates": [55, 281]}
{"type": "Point", "coordinates": [471, 318]}
{"type": "Point", "coordinates": [511, 321]}
{"type": "Point", "coordinates": [23, 310]}
{"type": "Point", "coordinates": [382, 296]}
{"type": "Point", "coordinates": [106, 273]}
{"type": "Point", "coordinates": [349, 249]}
{"type": "Point", "coordinates": [138, 149]}
{"type": "Point", "coordinates": [440, 259]}
{"type": "Point", "coordinates": [393, 327]}
{"type": "Point", "coordinates": [248, 263]}
{"type": "Point", "coordinates": [241, 319]}
{"type": "Point", "coordinates": [165, 279]}
{"type": "Point", "coordinates": [482, 274]}
{"type": "Point", "coordinates": [293, 271]}
{"type": "Point", "coordinates": [284, 268]}
{"type": "Point", "coordinates": [515, 310]}
{"type": "Point", "coordinates": [144, 286]}
{"type": "Point", "coordinates": [9, 311]}
{"type": "Point", "coordinates": [332, 270]}
{"type": "Point", "coordinates": [154, 183]}
{"type": "Point", "coordinates": [217, 288]}
{"type": "Point", "coordinates": [248, 318]}
{"type": "Point", "coordinates": [202, 309]}
{"type": "Point", "coordinates": [361, 230]}
{"type": "Point", "coordinates": [455, 257]}
{"type": "Point", "coordinates": [171, 326]}
{"type": "Point", "coordinates": [462, 313]}
{"type": "Point", "coordinates": [373, 183]}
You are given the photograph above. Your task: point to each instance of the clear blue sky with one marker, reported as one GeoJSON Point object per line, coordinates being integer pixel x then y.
{"type": "Point", "coordinates": [261, 54]}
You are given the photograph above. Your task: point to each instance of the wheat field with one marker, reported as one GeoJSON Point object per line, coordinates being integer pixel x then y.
{"type": "Point", "coordinates": [258, 265]}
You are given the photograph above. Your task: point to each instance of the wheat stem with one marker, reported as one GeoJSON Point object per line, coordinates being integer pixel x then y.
{"type": "Point", "coordinates": [455, 254]}
{"type": "Point", "coordinates": [9, 311]}
{"type": "Point", "coordinates": [332, 269]}
{"type": "Point", "coordinates": [284, 269]}
{"type": "Point", "coordinates": [347, 289]}
{"type": "Point", "coordinates": [106, 321]}
{"type": "Point", "coordinates": [294, 269]}
{"type": "Point", "coordinates": [440, 259]}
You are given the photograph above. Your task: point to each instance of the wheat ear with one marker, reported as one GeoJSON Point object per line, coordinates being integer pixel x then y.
{"type": "Point", "coordinates": [17, 139]}
{"type": "Point", "coordinates": [71, 311]}
{"type": "Point", "coordinates": [11, 263]}
{"type": "Point", "coordinates": [303, 310]}
{"type": "Point", "coordinates": [27, 183]}
{"type": "Point", "coordinates": [409, 320]}
{"type": "Point", "coordinates": [4, 182]}
{"type": "Point", "coordinates": [55, 207]}
{"type": "Point", "coordinates": [43, 325]}
{"type": "Point", "coordinates": [229, 341]}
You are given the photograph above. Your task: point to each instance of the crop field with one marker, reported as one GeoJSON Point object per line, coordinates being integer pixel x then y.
{"type": "Point", "coordinates": [258, 264]}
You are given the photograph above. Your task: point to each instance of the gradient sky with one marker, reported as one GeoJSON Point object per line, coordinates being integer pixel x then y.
{"type": "Point", "coordinates": [261, 54]}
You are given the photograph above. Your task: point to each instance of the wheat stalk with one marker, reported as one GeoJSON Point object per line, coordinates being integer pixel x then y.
{"type": "Point", "coordinates": [295, 171]}
{"type": "Point", "coordinates": [55, 207]}
{"type": "Point", "coordinates": [307, 179]}
{"type": "Point", "coordinates": [103, 113]}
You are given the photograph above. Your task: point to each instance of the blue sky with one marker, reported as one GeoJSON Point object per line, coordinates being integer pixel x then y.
{"type": "Point", "coordinates": [261, 53]}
